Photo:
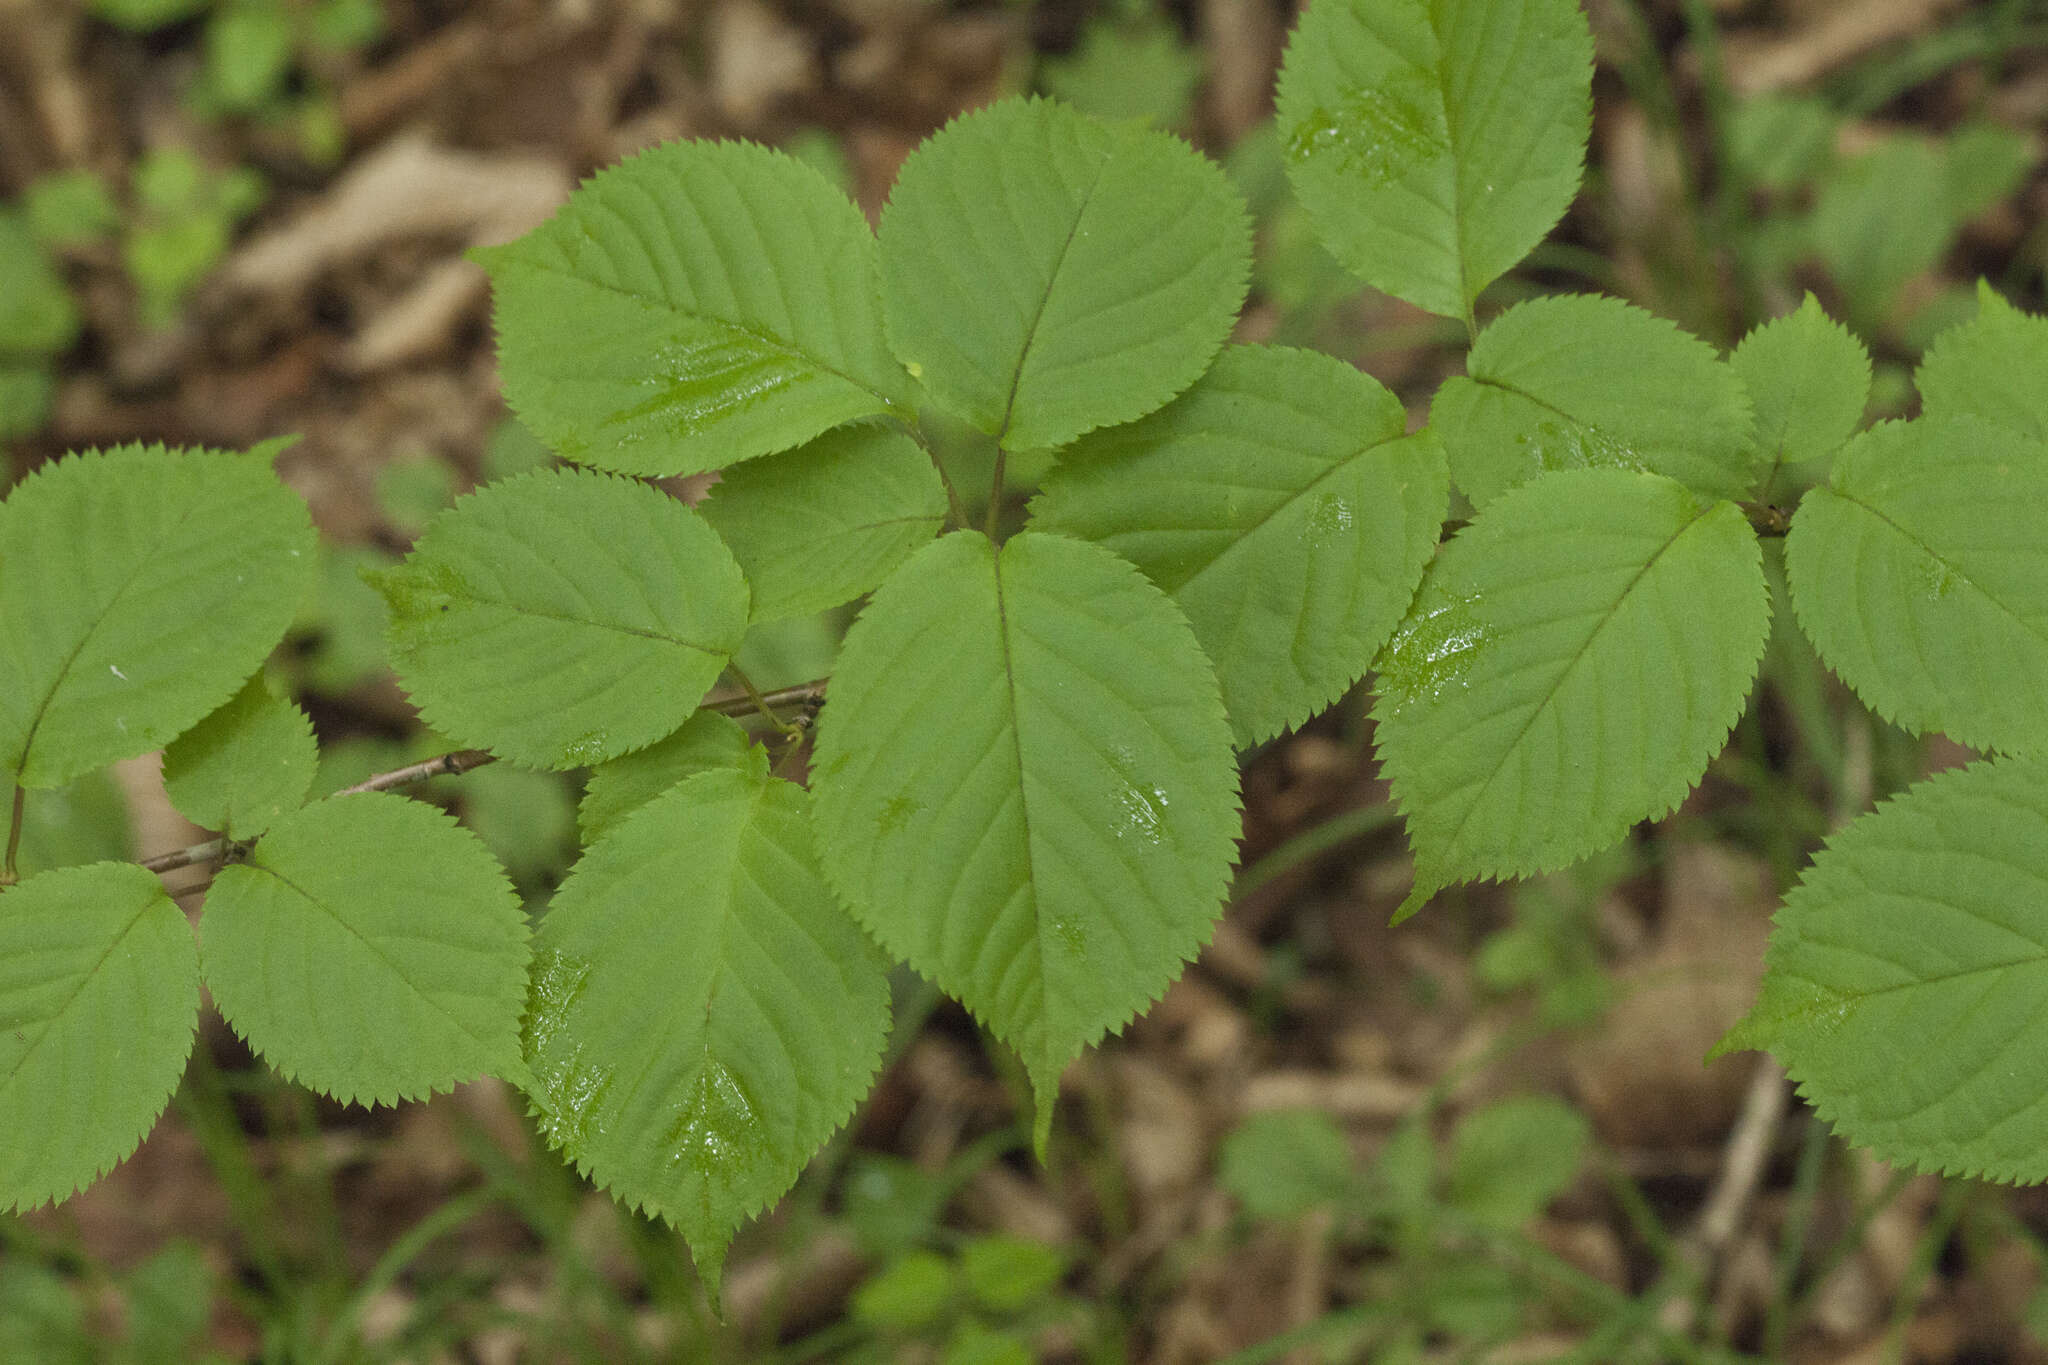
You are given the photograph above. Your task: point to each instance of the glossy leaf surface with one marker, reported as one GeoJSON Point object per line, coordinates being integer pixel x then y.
{"type": "Point", "coordinates": [698, 304]}
{"type": "Point", "coordinates": [1906, 972]}
{"type": "Point", "coordinates": [138, 589]}
{"type": "Point", "coordinates": [1575, 657]}
{"type": "Point", "coordinates": [99, 995]}
{"type": "Point", "coordinates": [1585, 382]}
{"type": "Point", "coordinates": [563, 617]}
{"type": "Point", "coordinates": [1045, 274]}
{"type": "Point", "coordinates": [371, 949]}
{"type": "Point", "coordinates": [1025, 787]}
{"type": "Point", "coordinates": [245, 766]}
{"type": "Point", "coordinates": [1282, 507]}
{"type": "Point", "coordinates": [1436, 141]}
{"type": "Point", "coordinates": [819, 526]}
{"type": "Point", "coordinates": [1920, 571]}
{"type": "Point", "coordinates": [704, 1014]}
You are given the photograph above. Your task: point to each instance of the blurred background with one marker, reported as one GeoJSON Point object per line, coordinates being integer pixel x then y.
{"type": "Point", "coordinates": [1486, 1136]}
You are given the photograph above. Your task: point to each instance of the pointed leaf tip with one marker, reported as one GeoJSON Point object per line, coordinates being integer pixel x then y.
{"type": "Point", "coordinates": [100, 999]}
{"type": "Point", "coordinates": [1515, 718]}
{"type": "Point", "coordinates": [1412, 904]}
{"type": "Point", "coordinates": [703, 1014]}
{"type": "Point", "coordinates": [1043, 825]}
{"type": "Point", "coordinates": [1046, 274]}
{"type": "Point", "coordinates": [1419, 173]}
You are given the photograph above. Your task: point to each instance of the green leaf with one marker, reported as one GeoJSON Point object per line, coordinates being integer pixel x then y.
{"type": "Point", "coordinates": [891, 1204]}
{"type": "Point", "coordinates": [1920, 571]}
{"type": "Point", "coordinates": [1780, 142]}
{"type": "Point", "coordinates": [412, 492]}
{"type": "Point", "coordinates": [70, 208]}
{"type": "Point", "coordinates": [563, 617]}
{"type": "Point", "coordinates": [248, 50]}
{"type": "Point", "coordinates": [1281, 505]}
{"type": "Point", "coordinates": [145, 15]}
{"type": "Point", "coordinates": [1025, 787]}
{"type": "Point", "coordinates": [1009, 1274]}
{"type": "Point", "coordinates": [1982, 163]}
{"type": "Point", "coordinates": [1990, 368]}
{"type": "Point", "coordinates": [37, 315]}
{"type": "Point", "coordinates": [914, 1290]}
{"type": "Point", "coordinates": [85, 822]}
{"type": "Point", "coordinates": [819, 526]}
{"type": "Point", "coordinates": [371, 949]}
{"type": "Point", "coordinates": [27, 392]}
{"type": "Point", "coordinates": [1436, 141]}
{"type": "Point", "coordinates": [1574, 658]}
{"type": "Point", "coordinates": [244, 767]}
{"type": "Point", "coordinates": [140, 588]}
{"type": "Point", "coordinates": [1893, 212]}
{"type": "Point", "coordinates": [697, 305]}
{"type": "Point", "coordinates": [1809, 378]}
{"type": "Point", "coordinates": [1587, 382]}
{"type": "Point", "coordinates": [1881, 218]}
{"type": "Point", "coordinates": [1128, 69]}
{"type": "Point", "coordinates": [703, 1014]}
{"type": "Point", "coordinates": [620, 787]}
{"type": "Point", "coordinates": [346, 619]}
{"type": "Point", "coordinates": [1907, 971]}
{"type": "Point", "coordinates": [1284, 1163]}
{"type": "Point", "coordinates": [976, 1343]}
{"type": "Point", "coordinates": [99, 997]}
{"type": "Point", "coordinates": [1045, 274]}
{"type": "Point", "coordinates": [1510, 1159]}
{"type": "Point", "coordinates": [526, 819]}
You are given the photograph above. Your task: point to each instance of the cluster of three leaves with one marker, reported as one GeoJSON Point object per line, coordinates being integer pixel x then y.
{"type": "Point", "coordinates": [365, 944]}
{"type": "Point", "coordinates": [1906, 970]}
{"type": "Point", "coordinates": [1919, 569]}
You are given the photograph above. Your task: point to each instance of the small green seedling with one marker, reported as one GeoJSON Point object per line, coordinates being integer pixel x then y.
{"type": "Point", "coordinates": [184, 218]}
{"type": "Point", "coordinates": [1445, 1227]}
{"type": "Point", "coordinates": [38, 319]}
{"type": "Point", "coordinates": [1024, 780]}
{"type": "Point", "coordinates": [1878, 218]}
{"type": "Point", "coordinates": [981, 1305]}
{"type": "Point", "coordinates": [252, 50]}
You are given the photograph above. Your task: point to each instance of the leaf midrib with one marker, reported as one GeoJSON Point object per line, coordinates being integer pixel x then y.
{"type": "Point", "coordinates": [1550, 693]}
{"type": "Point", "coordinates": [142, 562]}
{"type": "Point", "coordinates": [767, 340]}
{"type": "Point", "coordinates": [85, 979]}
{"type": "Point", "coordinates": [2038, 632]}
{"type": "Point", "coordinates": [1023, 795]}
{"type": "Point", "coordinates": [376, 951]}
{"type": "Point", "coordinates": [1030, 337]}
{"type": "Point", "coordinates": [563, 618]}
{"type": "Point", "coordinates": [1341, 465]}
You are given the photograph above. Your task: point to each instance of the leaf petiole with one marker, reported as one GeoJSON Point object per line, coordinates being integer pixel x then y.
{"type": "Point", "coordinates": [7, 873]}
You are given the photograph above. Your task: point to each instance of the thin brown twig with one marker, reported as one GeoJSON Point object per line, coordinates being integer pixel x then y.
{"type": "Point", "coordinates": [454, 764]}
